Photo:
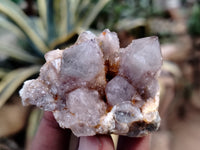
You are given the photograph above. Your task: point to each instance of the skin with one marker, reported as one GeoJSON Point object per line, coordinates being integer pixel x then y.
{"type": "Point", "coordinates": [51, 136]}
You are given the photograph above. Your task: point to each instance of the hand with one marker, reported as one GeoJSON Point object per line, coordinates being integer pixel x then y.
{"type": "Point", "coordinates": [51, 137]}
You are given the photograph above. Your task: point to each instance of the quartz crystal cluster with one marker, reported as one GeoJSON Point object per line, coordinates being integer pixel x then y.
{"type": "Point", "coordinates": [96, 87]}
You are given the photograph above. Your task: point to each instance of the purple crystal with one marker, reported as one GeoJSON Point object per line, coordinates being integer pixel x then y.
{"type": "Point", "coordinates": [94, 87]}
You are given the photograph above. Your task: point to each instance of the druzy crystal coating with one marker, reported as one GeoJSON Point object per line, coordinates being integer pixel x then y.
{"type": "Point", "coordinates": [96, 87]}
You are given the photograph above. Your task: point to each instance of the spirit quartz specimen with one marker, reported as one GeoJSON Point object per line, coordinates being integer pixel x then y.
{"type": "Point", "coordinates": [96, 87]}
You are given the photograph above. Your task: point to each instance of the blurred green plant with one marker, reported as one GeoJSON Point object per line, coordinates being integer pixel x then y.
{"type": "Point", "coordinates": [120, 11]}
{"type": "Point", "coordinates": [24, 39]}
{"type": "Point", "coordinates": [194, 21]}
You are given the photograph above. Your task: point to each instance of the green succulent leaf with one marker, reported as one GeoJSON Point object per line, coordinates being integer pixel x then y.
{"type": "Point", "coordinates": [62, 15]}
{"type": "Point", "coordinates": [83, 4]}
{"type": "Point", "coordinates": [6, 24]}
{"type": "Point", "coordinates": [3, 72]}
{"type": "Point", "coordinates": [74, 16]}
{"type": "Point", "coordinates": [17, 53]}
{"type": "Point", "coordinates": [42, 9]}
{"type": "Point", "coordinates": [60, 18]}
{"type": "Point", "coordinates": [62, 39]}
{"type": "Point", "coordinates": [51, 24]}
{"type": "Point", "coordinates": [93, 13]}
{"type": "Point", "coordinates": [57, 17]}
{"type": "Point", "coordinates": [12, 11]}
{"type": "Point", "coordinates": [39, 27]}
{"type": "Point", "coordinates": [13, 80]}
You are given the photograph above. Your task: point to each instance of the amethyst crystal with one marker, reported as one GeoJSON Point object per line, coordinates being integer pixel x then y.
{"type": "Point", "coordinates": [96, 87]}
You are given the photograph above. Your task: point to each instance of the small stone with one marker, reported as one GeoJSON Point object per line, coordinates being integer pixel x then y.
{"type": "Point", "coordinates": [96, 87]}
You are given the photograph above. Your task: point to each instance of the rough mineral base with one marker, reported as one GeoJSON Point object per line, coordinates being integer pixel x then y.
{"type": "Point", "coordinates": [96, 87]}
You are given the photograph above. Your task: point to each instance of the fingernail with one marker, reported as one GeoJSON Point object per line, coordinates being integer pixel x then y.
{"type": "Point", "coordinates": [89, 143]}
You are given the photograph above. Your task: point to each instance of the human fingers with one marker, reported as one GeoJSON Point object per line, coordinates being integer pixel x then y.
{"type": "Point", "coordinates": [50, 135]}
{"type": "Point", "coordinates": [97, 142]}
{"type": "Point", "coordinates": [133, 143]}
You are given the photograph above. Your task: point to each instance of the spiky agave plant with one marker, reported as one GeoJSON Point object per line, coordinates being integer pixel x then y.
{"type": "Point", "coordinates": [58, 21]}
